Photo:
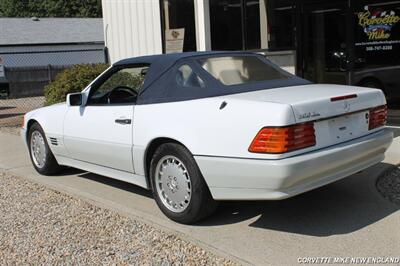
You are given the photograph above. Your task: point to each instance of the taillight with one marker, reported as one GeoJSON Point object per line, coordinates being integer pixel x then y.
{"type": "Point", "coordinates": [377, 117]}
{"type": "Point", "coordinates": [283, 139]}
{"type": "Point", "coordinates": [344, 97]}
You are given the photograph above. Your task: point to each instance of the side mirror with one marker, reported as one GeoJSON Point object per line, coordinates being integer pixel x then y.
{"type": "Point", "coordinates": [74, 99]}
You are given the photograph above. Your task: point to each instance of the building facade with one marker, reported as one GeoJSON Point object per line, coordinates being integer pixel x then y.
{"type": "Point", "coordinates": [34, 50]}
{"type": "Point", "coordinates": [338, 41]}
{"type": "Point", "coordinates": [26, 42]}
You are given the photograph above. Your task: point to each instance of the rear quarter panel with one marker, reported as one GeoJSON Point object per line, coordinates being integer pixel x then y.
{"type": "Point", "coordinates": [204, 128]}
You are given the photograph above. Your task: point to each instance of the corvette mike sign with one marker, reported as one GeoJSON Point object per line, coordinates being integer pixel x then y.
{"type": "Point", "coordinates": [380, 26]}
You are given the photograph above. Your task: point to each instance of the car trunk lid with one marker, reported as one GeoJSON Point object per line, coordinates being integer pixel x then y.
{"type": "Point", "coordinates": [340, 113]}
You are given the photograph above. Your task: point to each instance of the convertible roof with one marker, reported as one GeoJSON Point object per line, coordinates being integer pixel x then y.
{"type": "Point", "coordinates": [158, 88]}
{"type": "Point", "coordinates": [161, 63]}
{"type": "Point", "coordinates": [169, 58]}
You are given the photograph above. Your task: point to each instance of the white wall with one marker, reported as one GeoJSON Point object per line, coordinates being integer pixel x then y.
{"type": "Point", "coordinates": [132, 28]}
{"type": "Point", "coordinates": [202, 19]}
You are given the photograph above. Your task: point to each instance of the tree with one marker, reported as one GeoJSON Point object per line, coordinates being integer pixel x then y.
{"type": "Point", "coordinates": [50, 8]}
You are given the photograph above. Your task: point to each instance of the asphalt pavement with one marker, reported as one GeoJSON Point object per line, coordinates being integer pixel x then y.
{"type": "Point", "coordinates": [348, 218]}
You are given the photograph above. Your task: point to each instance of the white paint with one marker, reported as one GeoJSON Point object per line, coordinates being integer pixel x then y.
{"type": "Point", "coordinates": [202, 20]}
{"type": "Point", "coordinates": [105, 171]}
{"type": "Point", "coordinates": [132, 28]}
{"type": "Point", "coordinates": [247, 179]}
{"type": "Point", "coordinates": [264, 24]}
{"type": "Point", "coordinates": [92, 135]}
{"type": "Point", "coordinates": [92, 140]}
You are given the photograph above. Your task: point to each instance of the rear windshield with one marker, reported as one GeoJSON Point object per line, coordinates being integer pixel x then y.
{"type": "Point", "coordinates": [234, 70]}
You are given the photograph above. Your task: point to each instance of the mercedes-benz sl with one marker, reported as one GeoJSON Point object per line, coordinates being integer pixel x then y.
{"type": "Point", "coordinates": [198, 128]}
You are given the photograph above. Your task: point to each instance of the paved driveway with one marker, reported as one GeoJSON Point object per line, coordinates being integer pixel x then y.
{"type": "Point", "coordinates": [345, 219]}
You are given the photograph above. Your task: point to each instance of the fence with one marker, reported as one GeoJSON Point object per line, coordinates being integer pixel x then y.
{"type": "Point", "coordinates": [30, 81]}
{"type": "Point", "coordinates": [27, 73]}
{"type": "Point", "coordinates": [24, 91]}
{"type": "Point", "coordinates": [12, 110]}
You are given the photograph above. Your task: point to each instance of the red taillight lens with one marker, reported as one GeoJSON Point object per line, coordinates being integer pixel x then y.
{"type": "Point", "coordinates": [283, 139]}
{"type": "Point", "coordinates": [344, 97]}
{"type": "Point", "coordinates": [377, 117]}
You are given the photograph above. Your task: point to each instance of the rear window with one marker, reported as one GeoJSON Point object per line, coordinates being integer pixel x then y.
{"type": "Point", "coordinates": [234, 70]}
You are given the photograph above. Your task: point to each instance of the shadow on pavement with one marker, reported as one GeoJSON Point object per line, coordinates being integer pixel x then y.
{"type": "Point", "coordinates": [339, 208]}
{"type": "Point", "coordinates": [117, 184]}
{"type": "Point", "coordinates": [396, 131]}
{"type": "Point", "coordinates": [69, 171]}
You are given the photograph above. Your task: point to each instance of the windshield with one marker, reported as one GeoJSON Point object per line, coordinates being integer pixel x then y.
{"type": "Point", "coordinates": [234, 70]}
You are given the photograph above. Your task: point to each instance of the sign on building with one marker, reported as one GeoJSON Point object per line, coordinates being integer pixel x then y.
{"type": "Point", "coordinates": [174, 40]}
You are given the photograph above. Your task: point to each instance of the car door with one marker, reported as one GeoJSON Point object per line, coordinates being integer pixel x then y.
{"type": "Point", "coordinates": [100, 132]}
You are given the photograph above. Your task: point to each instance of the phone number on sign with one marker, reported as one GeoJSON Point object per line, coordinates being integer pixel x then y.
{"type": "Point", "coordinates": [379, 48]}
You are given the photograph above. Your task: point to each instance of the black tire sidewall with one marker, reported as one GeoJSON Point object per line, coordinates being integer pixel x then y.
{"type": "Point", "coordinates": [200, 193]}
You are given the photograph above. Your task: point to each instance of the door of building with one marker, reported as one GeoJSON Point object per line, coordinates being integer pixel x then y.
{"type": "Point", "coordinates": [235, 24]}
{"type": "Point", "coordinates": [324, 42]}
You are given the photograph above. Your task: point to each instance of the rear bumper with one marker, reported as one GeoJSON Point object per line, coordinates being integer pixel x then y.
{"type": "Point", "coordinates": [254, 179]}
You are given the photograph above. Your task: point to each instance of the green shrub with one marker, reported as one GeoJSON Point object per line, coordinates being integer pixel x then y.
{"type": "Point", "coordinates": [73, 79]}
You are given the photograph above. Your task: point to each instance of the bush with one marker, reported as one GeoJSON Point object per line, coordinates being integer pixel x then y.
{"type": "Point", "coordinates": [73, 79]}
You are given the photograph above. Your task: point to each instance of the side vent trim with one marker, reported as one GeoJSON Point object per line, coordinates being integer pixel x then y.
{"type": "Point", "coordinates": [54, 141]}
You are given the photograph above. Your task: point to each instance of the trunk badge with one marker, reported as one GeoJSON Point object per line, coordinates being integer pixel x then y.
{"type": "Point", "coordinates": [346, 106]}
{"type": "Point", "coordinates": [309, 115]}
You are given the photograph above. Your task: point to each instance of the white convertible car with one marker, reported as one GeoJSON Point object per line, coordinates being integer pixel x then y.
{"type": "Point", "coordinates": [196, 128]}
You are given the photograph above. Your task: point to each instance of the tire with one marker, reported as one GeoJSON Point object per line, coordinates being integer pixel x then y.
{"type": "Point", "coordinates": [180, 174]}
{"type": "Point", "coordinates": [372, 83]}
{"type": "Point", "coordinates": [49, 165]}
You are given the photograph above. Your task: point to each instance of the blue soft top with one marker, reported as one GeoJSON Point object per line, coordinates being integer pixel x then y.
{"type": "Point", "coordinates": [160, 86]}
{"type": "Point", "coordinates": [160, 63]}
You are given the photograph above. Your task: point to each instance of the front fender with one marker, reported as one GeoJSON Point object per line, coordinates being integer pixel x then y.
{"type": "Point", "coordinates": [51, 119]}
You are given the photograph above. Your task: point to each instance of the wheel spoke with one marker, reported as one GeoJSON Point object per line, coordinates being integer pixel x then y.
{"type": "Point", "coordinates": [174, 185]}
{"type": "Point", "coordinates": [38, 149]}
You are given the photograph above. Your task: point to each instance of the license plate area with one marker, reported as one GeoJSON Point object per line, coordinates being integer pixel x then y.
{"type": "Point", "coordinates": [348, 127]}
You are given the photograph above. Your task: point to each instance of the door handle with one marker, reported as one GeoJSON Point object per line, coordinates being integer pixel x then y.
{"type": "Point", "coordinates": [123, 121]}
